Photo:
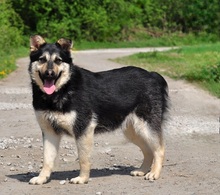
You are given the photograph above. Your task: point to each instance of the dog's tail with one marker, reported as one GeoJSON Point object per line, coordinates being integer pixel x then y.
{"type": "Point", "coordinates": [164, 89]}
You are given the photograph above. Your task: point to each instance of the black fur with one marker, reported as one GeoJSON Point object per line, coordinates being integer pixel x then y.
{"type": "Point", "coordinates": [71, 100]}
{"type": "Point", "coordinates": [111, 95]}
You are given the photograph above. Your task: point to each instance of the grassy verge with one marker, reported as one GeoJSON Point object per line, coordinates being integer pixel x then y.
{"type": "Point", "coordinates": [144, 40]}
{"type": "Point", "coordinates": [7, 60]}
{"type": "Point", "coordinates": [139, 40]}
{"type": "Point", "coordinates": [199, 64]}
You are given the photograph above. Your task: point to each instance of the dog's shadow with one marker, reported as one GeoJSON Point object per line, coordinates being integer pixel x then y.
{"type": "Point", "coordinates": [63, 175]}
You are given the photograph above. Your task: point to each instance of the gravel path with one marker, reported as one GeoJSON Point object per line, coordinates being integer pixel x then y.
{"type": "Point", "coordinates": [192, 142]}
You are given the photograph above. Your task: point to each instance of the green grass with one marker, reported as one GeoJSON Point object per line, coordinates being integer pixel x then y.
{"type": "Point", "coordinates": [7, 60]}
{"type": "Point", "coordinates": [191, 63]}
{"type": "Point", "coordinates": [198, 64]}
{"type": "Point", "coordinates": [153, 42]}
{"type": "Point", "coordinates": [144, 40]}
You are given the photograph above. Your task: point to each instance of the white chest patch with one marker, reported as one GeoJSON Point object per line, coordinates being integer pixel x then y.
{"type": "Point", "coordinates": [65, 121]}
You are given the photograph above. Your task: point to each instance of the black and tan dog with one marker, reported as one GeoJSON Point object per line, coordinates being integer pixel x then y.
{"type": "Point", "coordinates": [70, 100]}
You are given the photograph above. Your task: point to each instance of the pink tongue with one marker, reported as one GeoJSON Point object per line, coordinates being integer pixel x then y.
{"type": "Point", "coordinates": [49, 87]}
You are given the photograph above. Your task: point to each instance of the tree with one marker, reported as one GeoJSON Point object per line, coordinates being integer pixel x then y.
{"type": "Point", "coordinates": [11, 27]}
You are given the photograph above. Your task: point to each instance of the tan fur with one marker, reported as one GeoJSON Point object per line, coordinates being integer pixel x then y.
{"type": "Point", "coordinates": [65, 75]}
{"type": "Point", "coordinates": [66, 44]}
{"type": "Point", "coordinates": [41, 68]}
{"type": "Point", "coordinates": [84, 146]}
{"type": "Point", "coordinates": [51, 140]}
{"type": "Point", "coordinates": [35, 42]}
{"type": "Point", "coordinates": [65, 121]}
{"type": "Point", "coordinates": [151, 145]}
{"type": "Point", "coordinates": [134, 128]}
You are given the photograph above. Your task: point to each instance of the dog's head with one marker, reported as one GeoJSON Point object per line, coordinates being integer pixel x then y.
{"type": "Point", "coordinates": [50, 63]}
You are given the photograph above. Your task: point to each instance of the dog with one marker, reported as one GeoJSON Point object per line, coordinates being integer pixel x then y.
{"type": "Point", "coordinates": [70, 100]}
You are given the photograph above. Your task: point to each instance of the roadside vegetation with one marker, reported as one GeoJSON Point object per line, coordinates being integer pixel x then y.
{"type": "Point", "coordinates": [119, 23]}
{"type": "Point", "coordinates": [11, 35]}
{"type": "Point", "coordinates": [198, 64]}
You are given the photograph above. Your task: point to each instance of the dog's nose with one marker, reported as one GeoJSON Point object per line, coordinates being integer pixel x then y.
{"type": "Point", "coordinates": [49, 73]}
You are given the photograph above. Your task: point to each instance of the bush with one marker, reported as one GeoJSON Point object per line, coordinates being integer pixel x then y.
{"type": "Point", "coordinates": [11, 27]}
{"type": "Point", "coordinates": [106, 20]}
{"type": "Point", "coordinates": [209, 73]}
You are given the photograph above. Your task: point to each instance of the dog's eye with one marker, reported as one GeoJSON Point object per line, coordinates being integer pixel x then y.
{"type": "Point", "coordinates": [42, 60]}
{"type": "Point", "coordinates": [58, 60]}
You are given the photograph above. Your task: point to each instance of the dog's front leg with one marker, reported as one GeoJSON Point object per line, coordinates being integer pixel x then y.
{"type": "Point", "coordinates": [51, 145]}
{"type": "Point", "coordinates": [84, 145]}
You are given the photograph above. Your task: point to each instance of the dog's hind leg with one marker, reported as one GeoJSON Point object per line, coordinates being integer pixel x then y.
{"type": "Point", "coordinates": [84, 146]}
{"type": "Point", "coordinates": [146, 164]}
{"type": "Point", "coordinates": [157, 146]}
{"type": "Point", "coordinates": [138, 140]}
{"type": "Point", "coordinates": [51, 145]}
{"type": "Point", "coordinates": [154, 139]}
{"type": "Point", "coordinates": [151, 144]}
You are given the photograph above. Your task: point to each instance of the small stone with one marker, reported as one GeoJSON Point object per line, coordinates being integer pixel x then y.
{"type": "Point", "coordinates": [108, 150]}
{"type": "Point", "coordinates": [151, 180]}
{"type": "Point", "coordinates": [9, 164]}
{"type": "Point", "coordinates": [5, 180]}
{"type": "Point", "coordinates": [30, 146]}
{"type": "Point", "coordinates": [98, 193]}
{"type": "Point", "coordinates": [12, 169]}
{"type": "Point", "coordinates": [70, 154]}
{"type": "Point", "coordinates": [30, 167]}
{"type": "Point", "coordinates": [62, 182]}
{"type": "Point", "coordinates": [96, 144]}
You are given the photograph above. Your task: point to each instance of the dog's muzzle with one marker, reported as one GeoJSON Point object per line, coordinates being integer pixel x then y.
{"type": "Point", "coordinates": [49, 78]}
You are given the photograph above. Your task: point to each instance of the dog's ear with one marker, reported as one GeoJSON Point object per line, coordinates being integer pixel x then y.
{"type": "Point", "coordinates": [66, 44]}
{"type": "Point", "coordinates": [35, 42]}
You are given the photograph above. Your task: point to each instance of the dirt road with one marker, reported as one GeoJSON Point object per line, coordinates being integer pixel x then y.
{"type": "Point", "coordinates": [192, 164]}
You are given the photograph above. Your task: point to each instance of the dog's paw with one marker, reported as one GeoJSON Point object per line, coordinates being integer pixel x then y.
{"type": "Point", "coordinates": [79, 180]}
{"type": "Point", "coordinates": [152, 175]}
{"type": "Point", "coordinates": [137, 172]}
{"type": "Point", "coordinates": [38, 180]}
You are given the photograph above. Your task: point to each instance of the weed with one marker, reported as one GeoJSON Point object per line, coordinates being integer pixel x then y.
{"type": "Point", "coordinates": [199, 64]}
{"type": "Point", "coordinates": [8, 60]}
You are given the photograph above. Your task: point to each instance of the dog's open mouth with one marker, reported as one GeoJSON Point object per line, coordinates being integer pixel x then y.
{"type": "Point", "coordinates": [49, 83]}
{"type": "Point", "coordinates": [49, 86]}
